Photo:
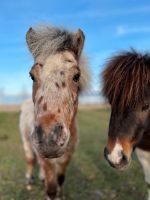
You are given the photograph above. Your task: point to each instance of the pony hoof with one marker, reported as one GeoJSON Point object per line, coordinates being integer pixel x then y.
{"type": "Point", "coordinates": [60, 198]}
{"type": "Point", "coordinates": [29, 187]}
{"type": "Point", "coordinates": [29, 183]}
{"type": "Point", "coordinates": [56, 198]}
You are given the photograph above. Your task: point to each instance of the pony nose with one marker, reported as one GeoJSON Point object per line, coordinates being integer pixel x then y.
{"type": "Point", "coordinates": [56, 137]}
{"type": "Point", "coordinates": [118, 161]}
{"type": "Point", "coordinates": [51, 144]}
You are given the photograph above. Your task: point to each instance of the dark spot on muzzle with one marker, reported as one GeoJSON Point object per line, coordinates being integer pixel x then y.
{"type": "Point", "coordinates": [57, 85]}
{"type": "Point", "coordinates": [63, 84]}
{"type": "Point", "coordinates": [62, 73]}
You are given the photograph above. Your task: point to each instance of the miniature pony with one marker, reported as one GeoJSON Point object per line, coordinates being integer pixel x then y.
{"type": "Point", "coordinates": [126, 85]}
{"type": "Point", "coordinates": [48, 125]}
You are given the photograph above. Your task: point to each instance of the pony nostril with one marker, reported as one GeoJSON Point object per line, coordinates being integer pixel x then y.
{"type": "Point", "coordinates": [124, 159]}
{"type": "Point", "coordinates": [58, 128]}
{"type": "Point", "coordinates": [39, 133]}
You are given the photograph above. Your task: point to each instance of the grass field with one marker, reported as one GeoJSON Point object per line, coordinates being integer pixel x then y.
{"type": "Point", "coordinates": [89, 177]}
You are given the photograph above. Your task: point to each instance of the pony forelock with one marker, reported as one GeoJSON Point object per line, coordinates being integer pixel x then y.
{"type": "Point", "coordinates": [126, 79]}
{"type": "Point", "coordinates": [46, 40]}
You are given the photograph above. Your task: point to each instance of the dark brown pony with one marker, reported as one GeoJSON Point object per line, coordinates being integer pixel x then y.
{"type": "Point", "coordinates": [126, 85]}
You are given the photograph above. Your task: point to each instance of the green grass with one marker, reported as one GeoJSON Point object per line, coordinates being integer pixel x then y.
{"type": "Point", "coordinates": [88, 177]}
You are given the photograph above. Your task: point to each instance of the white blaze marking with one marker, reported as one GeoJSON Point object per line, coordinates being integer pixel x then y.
{"type": "Point", "coordinates": [116, 155]}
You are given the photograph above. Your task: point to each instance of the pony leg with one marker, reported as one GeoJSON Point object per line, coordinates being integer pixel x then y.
{"type": "Point", "coordinates": [144, 158]}
{"type": "Point", "coordinates": [30, 160]}
{"type": "Point", "coordinates": [62, 164]}
{"type": "Point", "coordinates": [41, 170]}
{"type": "Point", "coordinates": [54, 176]}
{"type": "Point", "coordinates": [41, 174]}
{"type": "Point", "coordinates": [51, 186]}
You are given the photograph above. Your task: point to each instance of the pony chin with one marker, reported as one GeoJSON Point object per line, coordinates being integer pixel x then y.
{"type": "Point", "coordinates": [120, 167]}
{"type": "Point", "coordinates": [125, 167]}
{"type": "Point", "coordinates": [49, 152]}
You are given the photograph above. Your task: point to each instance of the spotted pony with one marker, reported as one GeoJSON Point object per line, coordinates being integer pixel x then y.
{"type": "Point", "coordinates": [48, 124]}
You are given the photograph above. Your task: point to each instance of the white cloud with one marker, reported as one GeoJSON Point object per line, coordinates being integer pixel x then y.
{"type": "Point", "coordinates": [96, 13]}
{"type": "Point", "coordinates": [124, 30]}
{"type": "Point", "coordinates": [116, 12]}
{"type": "Point", "coordinates": [109, 13]}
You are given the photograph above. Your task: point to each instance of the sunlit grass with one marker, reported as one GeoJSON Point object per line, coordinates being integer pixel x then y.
{"type": "Point", "coordinates": [89, 177]}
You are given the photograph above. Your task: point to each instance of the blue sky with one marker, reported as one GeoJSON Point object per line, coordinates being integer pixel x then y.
{"type": "Point", "coordinates": [109, 26]}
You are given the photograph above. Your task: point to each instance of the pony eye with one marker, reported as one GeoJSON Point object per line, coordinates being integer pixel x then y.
{"type": "Point", "coordinates": [145, 107]}
{"type": "Point", "coordinates": [32, 77]}
{"type": "Point", "coordinates": [76, 77]}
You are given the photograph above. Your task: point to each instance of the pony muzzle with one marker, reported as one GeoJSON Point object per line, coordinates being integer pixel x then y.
{"type": "Point", "coordinates": [53, 144]}
{"type": "Point", "coordinates": [117, 159]}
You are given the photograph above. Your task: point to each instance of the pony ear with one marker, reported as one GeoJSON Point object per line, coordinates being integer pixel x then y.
{"type": "Point", "coordinates": [30, 38]}
{"type": "Point", "coordinates": [79, 41]}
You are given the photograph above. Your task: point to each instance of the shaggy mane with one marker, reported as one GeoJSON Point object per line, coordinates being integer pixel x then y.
{"type": "Point", "coordinates": [126, 79]}
{"type": "Point", "coordinates": [46, 40]}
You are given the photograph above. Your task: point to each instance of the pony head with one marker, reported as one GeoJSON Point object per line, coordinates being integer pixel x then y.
{"type": "Point", "coordinates": [58, 77]}
{"type": "Point", "coordinates": [126, 85]}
